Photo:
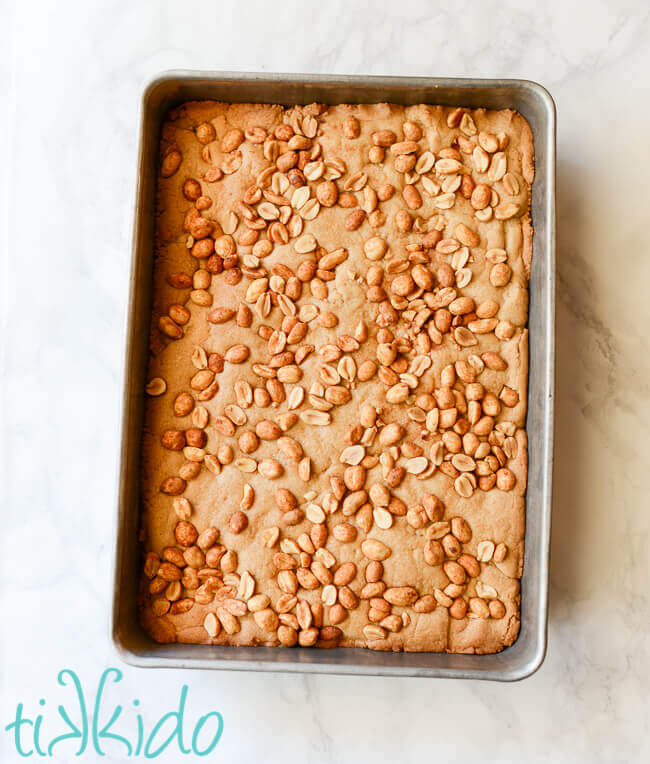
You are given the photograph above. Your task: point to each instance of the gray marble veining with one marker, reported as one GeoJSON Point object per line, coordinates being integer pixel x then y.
{"type": "Point", "coordinates": [73, 74]}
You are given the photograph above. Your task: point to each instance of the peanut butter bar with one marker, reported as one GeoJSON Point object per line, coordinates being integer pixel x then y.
{"type": "Point", "coordinates": [334, 451]}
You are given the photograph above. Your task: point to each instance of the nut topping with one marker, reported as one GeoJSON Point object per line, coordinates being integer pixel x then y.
{"type": "Point", "coordinates": [342, 335]}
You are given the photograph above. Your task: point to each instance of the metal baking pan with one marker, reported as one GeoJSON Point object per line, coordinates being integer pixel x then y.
{"type": "Point", "coordinates": [531, 100]}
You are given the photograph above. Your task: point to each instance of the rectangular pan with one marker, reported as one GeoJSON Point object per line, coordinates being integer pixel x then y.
{"type": "Point", "coordinates": [536, 105]}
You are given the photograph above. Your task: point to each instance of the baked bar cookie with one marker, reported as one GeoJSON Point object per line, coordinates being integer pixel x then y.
{"type": "Point", "coordinates": [334, 451]}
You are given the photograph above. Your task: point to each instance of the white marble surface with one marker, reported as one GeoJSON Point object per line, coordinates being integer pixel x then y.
{"type": "Point", "coordinates": [72, 74]}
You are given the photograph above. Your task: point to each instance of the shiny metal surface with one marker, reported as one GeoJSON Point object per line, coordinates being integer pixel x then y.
{"type": "Point", "coordinates": [526, 655]}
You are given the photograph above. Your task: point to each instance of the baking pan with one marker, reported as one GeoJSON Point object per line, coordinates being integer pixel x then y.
{"type": "Point", "coordinates": [527, 653]}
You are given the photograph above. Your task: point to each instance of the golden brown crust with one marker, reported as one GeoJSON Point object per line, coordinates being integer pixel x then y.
{"type": "Point", "coordinates": [224, 151]}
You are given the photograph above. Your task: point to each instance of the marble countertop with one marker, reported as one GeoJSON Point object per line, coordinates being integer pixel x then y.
{"type": "Point", "coordinates": [72, 76]}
